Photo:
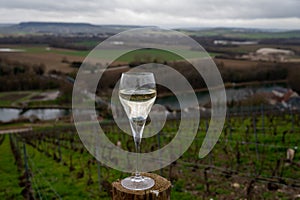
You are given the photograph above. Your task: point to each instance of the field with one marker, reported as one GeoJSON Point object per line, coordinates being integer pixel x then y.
{"type": "Point", "coordinates": [245, 49]}
{"type": "Point", "coordinates": [39, 54]}
{"type": "Point", "coordinates": [241, 33]}
{"type": "Point", "coordinates": [249, 161]}
{"type": "Point", "coordinates": [23, 98]}
{"type": "Point", "coordinates": [60, 59]}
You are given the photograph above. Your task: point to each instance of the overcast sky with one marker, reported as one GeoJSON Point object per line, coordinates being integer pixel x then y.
{"type": "Point", "coordinates": [164, 13]}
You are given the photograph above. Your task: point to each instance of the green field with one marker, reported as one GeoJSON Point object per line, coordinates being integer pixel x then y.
{"type": "Point", "coordinates": [20, 98]}
{"type": "Point", "coordinates": [15, 98]}
{"type": "Point", "coordinates": [141, 54]}
{"type": "Point", "coordinates": [242, 34]}
{"type": "Point", "coordinates": [249, 156]}
{"type": "Point", "coordinates": [9, 188]}
{"type": "Point", "coordinates": [137, 55]}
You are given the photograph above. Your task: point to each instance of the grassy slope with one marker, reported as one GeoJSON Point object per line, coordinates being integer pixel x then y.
{"type": "Point", "coordinates": [9, 188]}
{"type": "Point", "coordinates": [50, 176]}
{"type": "Point", "coordinates": [190, 183]}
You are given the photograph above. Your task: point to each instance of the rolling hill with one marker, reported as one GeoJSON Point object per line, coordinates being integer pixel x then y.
{"type": "Point", "coordinates": [62, 28]}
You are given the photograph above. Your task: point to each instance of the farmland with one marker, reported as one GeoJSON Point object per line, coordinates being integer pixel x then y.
{"type": "Point", "coordinates": [249, 160]}
{"type": "Point", "coordinates": [241, 33]}
{"type": "Point", "coordinates": [56, 58]}
{"type": "Point", "coordinates": [39, 54]}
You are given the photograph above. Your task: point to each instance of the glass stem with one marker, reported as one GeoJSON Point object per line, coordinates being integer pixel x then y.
{"type": "Point", "coordinates": [138, 151]}
{"type": "Point", "coordinates": [137, 126]}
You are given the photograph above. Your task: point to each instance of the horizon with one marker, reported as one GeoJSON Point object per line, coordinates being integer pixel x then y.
{"type": "Point", "coordinates": [264, 14]}
{"type": "Point", "coordinates": [196, 28]}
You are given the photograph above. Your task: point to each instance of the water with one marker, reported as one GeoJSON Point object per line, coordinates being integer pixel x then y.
{"type": "Point", "coordinates": [8, 114]}
{"type": "Point", "coordinates": [46, 114]}
{"type": "Point", "coordinates": [11, 50]}
{"type": "Point", "coordinates": [232, 94]}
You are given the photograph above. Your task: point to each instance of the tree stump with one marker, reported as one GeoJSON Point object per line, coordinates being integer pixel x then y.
{"type": "Point", "coordinates": [160, 191]}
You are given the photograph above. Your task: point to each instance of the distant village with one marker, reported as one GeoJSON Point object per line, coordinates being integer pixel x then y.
{"type": "Point", "coordinates": [270, 54]}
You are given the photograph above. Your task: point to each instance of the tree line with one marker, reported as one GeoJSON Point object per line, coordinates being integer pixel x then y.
{"type": "Point", "coordinates": [18, 76]}
{"type": "Point", "coordinates": [67, 42]}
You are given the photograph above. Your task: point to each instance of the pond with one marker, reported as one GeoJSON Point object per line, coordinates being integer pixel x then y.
{"type": "Point", "coordinates": [11, 50]}
{"type": "Point", "coordinates": [8, 114]}
{"type": "Point", "coordinates": [232, 94]}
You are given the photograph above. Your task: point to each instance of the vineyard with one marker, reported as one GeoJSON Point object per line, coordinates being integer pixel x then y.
{"type": "Point", "coordinates": [255, 158]}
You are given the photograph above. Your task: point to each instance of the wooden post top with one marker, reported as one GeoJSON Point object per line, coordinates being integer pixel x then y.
{"type": "Point", "coordinates": [160, 191]}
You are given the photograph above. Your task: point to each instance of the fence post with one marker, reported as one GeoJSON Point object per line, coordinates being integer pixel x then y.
{"type": "Point", "coordinates": [59, 150]}
{"type": "Point", "coordinates": [230, 127]}
{"type": "Point", "coordinates": [292, 119]}
{"type": "Point", "coordinates": [26, 162]}
{"type": "Point", "coordinates": [262, 118]}
{"type": "Point", "coordinates": [99, 175]}
{"type": "Point", "coordinates": [210, 154]}
{"type": "Point", "coordinates": [158, 143]}
{"type": "Point", "coordinates": [256, 139]}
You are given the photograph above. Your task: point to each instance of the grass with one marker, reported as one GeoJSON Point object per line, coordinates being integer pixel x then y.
{"type": "Point", "coordinates": [159, 55]}
{"type": "Point", "coordinates": [36, 49]}
{"type": "Point", "coordinates": [5, 103]}
{"type": "Point", "coordinates": [70, 52]}
{"type": "Point", "coordinates": [142, 54]}
{"type": "Point", "coordinates": [43, 103]}
{"type": "Point", "coordinates": [88, 43]}
{"type": "Point", "coordinates": [112, 53]}
{"type": "Point", "coordinates": [108, 54]}
{"type": "Point", "coordinates": [9, 98]}
{"type": "Point", "coordinates": [14, 126]}
{"type": "Point", "coordinates": [9, 188]}
{"type": "Point", "coordinates": [66, 183]}
{"type": "Point", "coordinates": [183, 195]}
{"type": "Point", "coordinates": [44, 170]}
{"type": "Point", "coordinates": [187, 175]}
{"type": "Point", "coordinates": [17, 98]}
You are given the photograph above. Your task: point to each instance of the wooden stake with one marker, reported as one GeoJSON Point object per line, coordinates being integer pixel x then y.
{"type": "Point", "coordinates": [160, 191]}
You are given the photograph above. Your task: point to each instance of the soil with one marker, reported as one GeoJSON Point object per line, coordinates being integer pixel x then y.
{"type": "Point", "coordinates": [52, 61]}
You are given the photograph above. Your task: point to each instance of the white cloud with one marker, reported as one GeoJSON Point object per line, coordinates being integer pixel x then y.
{"type": "Point", "coordinates": [170, 13]}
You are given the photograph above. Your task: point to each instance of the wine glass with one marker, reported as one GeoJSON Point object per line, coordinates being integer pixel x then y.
{"type": "Point", "coordinates": [137, 93]}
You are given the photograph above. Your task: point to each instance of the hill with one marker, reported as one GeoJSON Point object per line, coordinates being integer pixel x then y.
{"type": "Point", "coordinates": [87, 29]}
{"type": "Point", "coordinates": [58, 28]}
{"type": "Point", "coordinates": [241, 33]}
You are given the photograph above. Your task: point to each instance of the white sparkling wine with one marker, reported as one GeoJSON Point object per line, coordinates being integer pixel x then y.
{"type": "Point", "coordinates": [137, 95]}
{"type": "Point", "coordinates": [137, 103]}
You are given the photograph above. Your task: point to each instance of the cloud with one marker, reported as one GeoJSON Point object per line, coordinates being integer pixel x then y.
{"type": "Point", "coordinates": [273, 13]}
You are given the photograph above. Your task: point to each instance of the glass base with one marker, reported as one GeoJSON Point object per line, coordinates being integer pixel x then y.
{"type": "Point", "coordinates": [137, 183]}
